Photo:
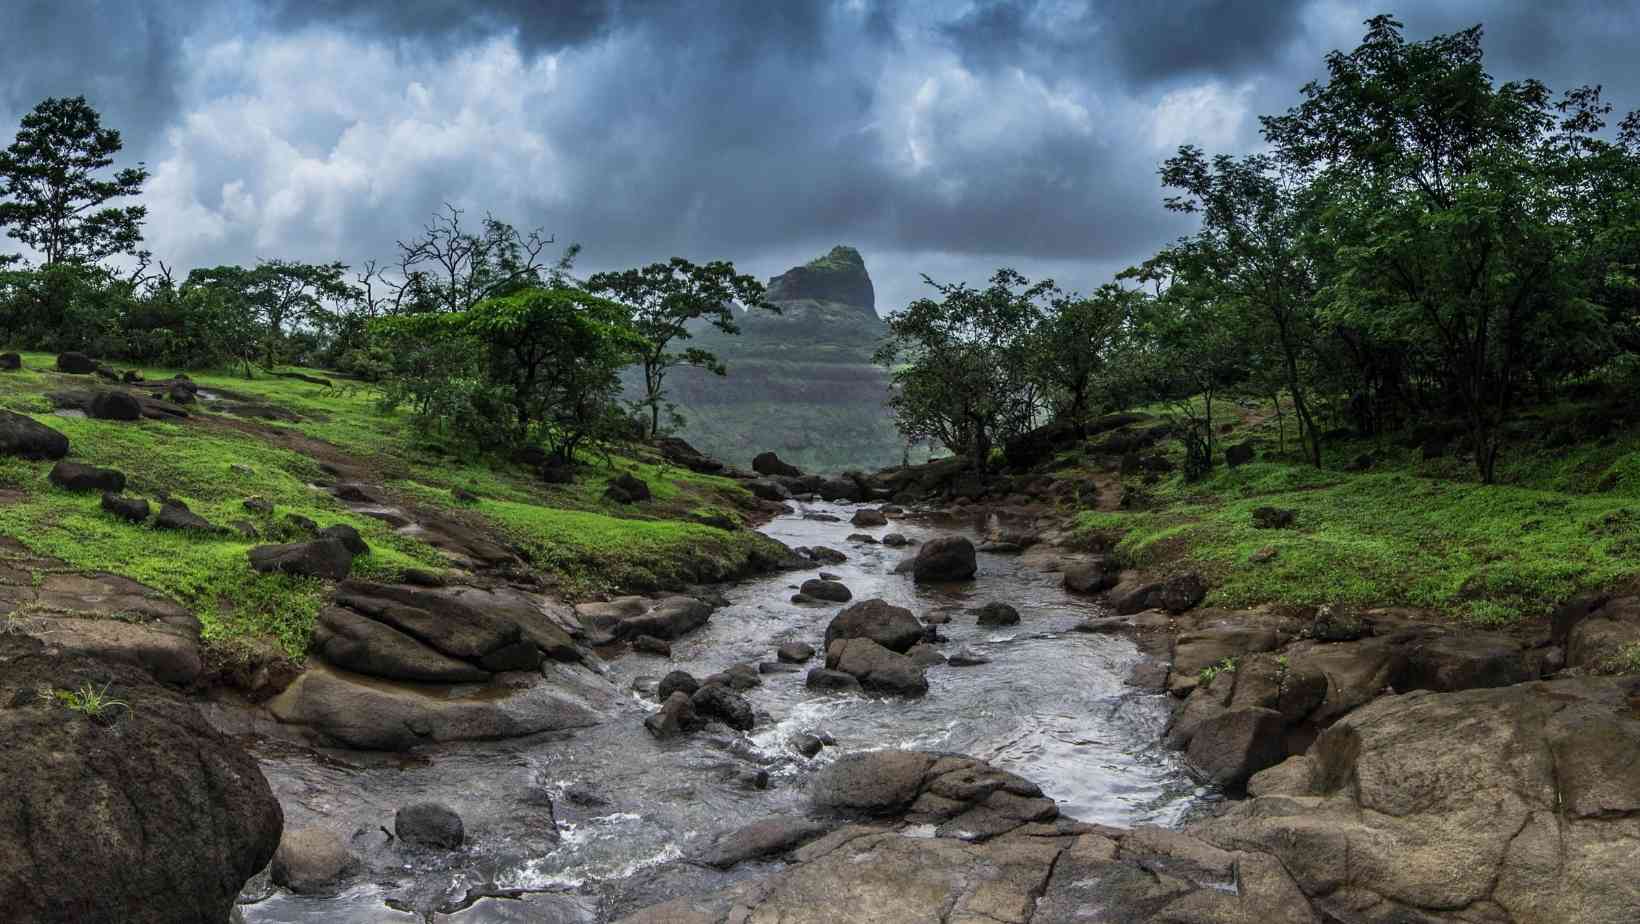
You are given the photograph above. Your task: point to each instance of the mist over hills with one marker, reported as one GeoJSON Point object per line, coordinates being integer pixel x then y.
{"type": "Point", "coordinates": [801, 382]}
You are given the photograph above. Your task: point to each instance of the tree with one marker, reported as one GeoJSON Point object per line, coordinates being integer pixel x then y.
{"type": "Point", "coordinates": [279, 295]}
{"type": "Point", "coordinates": [1250, 253]}
{"type": "Point", "coordinates": [1070, 347]}
{"type": "Point", "coordinates": [1446, 204]}
{"type": "Point", "coordinates": [663, 300]}
{"type": "Point", "coordinates": [961, 364]}
{"type": "Point", "coordinates": [539, 365]}
{"type": "Point", "coordinates": [451, 268]}
{"type": "Point", "coordinates": [53, 197]}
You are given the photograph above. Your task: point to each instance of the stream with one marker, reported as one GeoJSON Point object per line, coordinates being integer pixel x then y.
{"type": "Point", "coordinates": [1051, 705]}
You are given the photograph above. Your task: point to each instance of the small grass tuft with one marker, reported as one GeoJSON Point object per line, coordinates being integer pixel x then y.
{"type": "Point", "coordinates": [87, 700]}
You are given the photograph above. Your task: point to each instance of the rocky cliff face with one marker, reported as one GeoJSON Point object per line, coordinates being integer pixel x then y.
{"type": "Point", "coordinates": [801, 382]}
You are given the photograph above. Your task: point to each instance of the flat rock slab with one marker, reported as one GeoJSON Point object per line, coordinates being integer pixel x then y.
{"type": "Point", "coordinates": [360, 712]}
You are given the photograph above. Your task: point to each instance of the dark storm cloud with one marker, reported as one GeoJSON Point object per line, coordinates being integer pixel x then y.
{"type": "Point", "coordinates": [931, 135]}
{"type": "Point", "coordinates": [121, 55]}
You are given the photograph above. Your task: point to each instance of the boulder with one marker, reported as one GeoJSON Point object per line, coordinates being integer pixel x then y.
{"type": "Point", "coordinates": [1092, 576]}
{"type": "Point", "coordinates": [75, 363]}
{"type": "Point", "coordinates": [768, 490]}
{"type": "Point", "coordinates": [870, 782]}
{"type": "Point", "coordinates": [144, 815]}
{"type": "Point", "coordinates": [1239, 454]}
{"type": "Point", "coordinates": [320, 558]}
{"type": "Point", "coordinates": [998, 614]}
{"type": "Point", "coordinates": [10, 362]}
{"type": "Point", "coordinates": [676, 682]}
{"type": "Point", "coordinates": [1466, 661]}
{"type": "Point", "coordinates": [830, 681]}
{"type": "Point", "coordinates": [1129, 597]}
{"type": "Point", "coordinates": [115, 405]}
{"type": "Point", "coordinates": [27, 438]}
{"type": "Point", "coordinates": [362, 645]}
{"type": "Point", "coordinates": [347, 536]}
{"type": "Point", "coordinates": [630, 617]}
{"type": "Point", "coordinates": [134, 509]}
{"type": "Point", "coordinates": [896, 540]}
{"type": "Point", "coordinates": [715, 701]}
{"type": "Point", "coordinates": [877, 668]}
{"type": "Point", "coordinates": [429, 824]}
{"type": "Point", "coordinates": [867, 517]}
{"type": "Point", "coordinates": [1232, 746]}
{"type": "Point", "coordinates": [1182, 592]}
{"type": "Point", "coordinates": [948, 558]}
{"type": "Point", "coordinates": [827, 556]}
{"type": "Point", "coordinates": [839, 488]}
{"type": "Point", "coordinates": [675, 717]}
{"type": "Point", "coordinates": [890, 626]}
{"type": "Point", "coordinates": [794, 652]}
{"type": "Point", "coordinates": [1273, 518]}
{"type": "Point", "coordinates": [73, 476]}
{"type": "Point", "coordinates": [923, 654]}
{"type": "Point", "coordinates": [303, 525]}
{"type": "Point", "coordinates": [830, 591]}
{"type": "Point", "coordinates": [310, 860]}
{"type": "Point", "coordinates": [180, 394]}
{"type": "Point", "coordinates": [967, 657]}
{"type": "Point", "coordinates": [806, 744]}
{"type": "Point", "coordinates": [768, 837]}
{"type": "Point", "coordinates": [649, 644]}
{"type": "Point", "coordinates": [627, 489]}
{"type": "Point", "coordinates": [767, 463]}
{"type": "Point", "coordinates": [174, 514]}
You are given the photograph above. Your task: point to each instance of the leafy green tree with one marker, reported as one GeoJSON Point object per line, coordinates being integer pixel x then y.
{"type": "Point", "coordinates": [1445, 207]}
{"type": "Point", "coordinates": [961, 364]}
{"type": "Point", "coordinates": [451, 267]}
{"type": "Point", "coordinates": [1071, 346]}
{"type": "Point", "coordinates": [663, 300]}
{"type": "Point", "coordinates": [540, 365]}
{"type": "Point", "coordinates": [54, 197]}
{"type": "Point", "coordinates": [276, 296]}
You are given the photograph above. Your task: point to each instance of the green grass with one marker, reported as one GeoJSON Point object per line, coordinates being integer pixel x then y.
{"type": "Point", "coordinates": [87, 701]}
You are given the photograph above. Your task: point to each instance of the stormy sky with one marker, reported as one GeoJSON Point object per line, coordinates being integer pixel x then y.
{"type": "Point", "coordinates": [938, 137]}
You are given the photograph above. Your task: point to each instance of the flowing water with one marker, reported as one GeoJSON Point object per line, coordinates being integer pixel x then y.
{"type": "Point", "coordinates": [1051, 705]}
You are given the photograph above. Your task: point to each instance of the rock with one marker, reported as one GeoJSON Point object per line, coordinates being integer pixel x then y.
{"type": "Point", "coordinates": [1336, 624]}
{"type": "Point", "coordinates": [718, 702]}
{"type": "Point", "coordinates": [304, 525]}
{"type": "Point", "coordinates": [27, 438]}
{"type": "Point", "coordinates": [778, 667]}
{"type": "Point", "coordinates": [948, 558]}
{"type": "Point", "coordinates": [806, 744]}
{"type": "Point", "coordinates": [180, 394]}
{"type": "Point", "coordinates": [10, 362]}
{"type": "Point", "coordinates": [362, 645]}
{"type": "Point", "coordinates": [676, 716]}
{"type": "Point", "coordinates": [896, 540]}
{"type": "Point", "coordinates": [347, 536]}
{"type": "Point", "coordinates": [134, 509]}
{"type": "Point", "coordinates": [877, 668]}
{"type": "Point", "coordinates": [794, 652]}
{"type": "Point", "coordinates": [831, 681]}
{"type": "Point", "coordinates": [923, 654]}
{"type": "Point", "coordinates": [862, 538]}
{"type": "Point", "coordinates": [649, 644]}
{"type": "Point", "coordinates": [1272, 518]}
{"type": "Point", "coordinates": [1602, 636]}
{"type": "Point", "coordinates": [258, 506]}
{"type": "Point", "coordinates": [1182, 592]}
{"type": "Point", "coordinates": [827, 556]}
{"type": "Point", "coordinates": [826, 590]}
{"type": "Point", "coordinates": [1209, 647]}
{"type": "Point", "coordinates": [865, 516]}
{"type": "Point", "coordinates": [146, 815]}
{"type": "Point", "coordinates": [815, 517]}
{"type": "Point", "coordinates": [1092, 576]}
{"type": "Point", "coordinates": [1233, 746]}
{"type": "Point", "coordinates": [839, 276]}
{"type": "Point", "coordinates": [771, 836]}
{"type": "Point", "coordinates": [383, 715]}
{"type": "Point", "coordinates": [767, 490]}
{"type": "Point", "coordinates": [72, 476]}
{"type": "Point", "coordinates": [1129, 597]}
{"type": "Point", "coordinates": [310, 860]}
{"type": "Point", "coordinates": [627, 489]}
{"type": "Point", "coordinates": [174, 514]}
{"type": "Point", "coordinates": [75, 363]}
{"type": "Point", "coordinates": [429, 824]}
{"type": "Point", "coordinates": [767, 463]}
{"type": "Point", "coordinates": [966, 657]}
{"type": "Point", "coordinates": [998, 614]}
{"type": "Point", "coordinates": [320, 558]}
{"type": "Point", "coordinates": [676, 682]}
{"type": "Point", "coordinates": [890, 626]}
{"type": "Point", "coordinates": [115, 405]}
{"type": "Point", "coordinates": [1536, 786]}
{"type": "Point", "coordinates": [870, 782]}
{"type": "Point", "coordinates": [1239, 454]}
{"type": "Point", "coordinates": [838, 488]}
{"type": "Point", "coordinates": [630, 617]}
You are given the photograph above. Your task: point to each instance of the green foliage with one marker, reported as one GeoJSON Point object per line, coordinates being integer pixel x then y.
{"type": "Point", "coordinates": [1226, 666]}
{"type": "Point", "coordinates": [88, 701]}
{"type": "Point", "coordinates": [662, 300]}
{"type": "Point", "coordinates": [54, 199]}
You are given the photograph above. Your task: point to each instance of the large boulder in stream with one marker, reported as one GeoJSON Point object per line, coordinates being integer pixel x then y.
{"type": "Point", "coordinates": [946, 559]}
{"type": "Point", "coordinates": [143, 814]}
{"type": "Point", "coordinates": [630, 617]}
{"type": "Point", "coordinates": [877, 668]}
{"type": "Point", "coordinates": [890, 626]}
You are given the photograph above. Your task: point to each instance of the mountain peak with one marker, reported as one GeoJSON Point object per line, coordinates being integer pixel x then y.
{"type": "Point", "coordinates": [839, 276]}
